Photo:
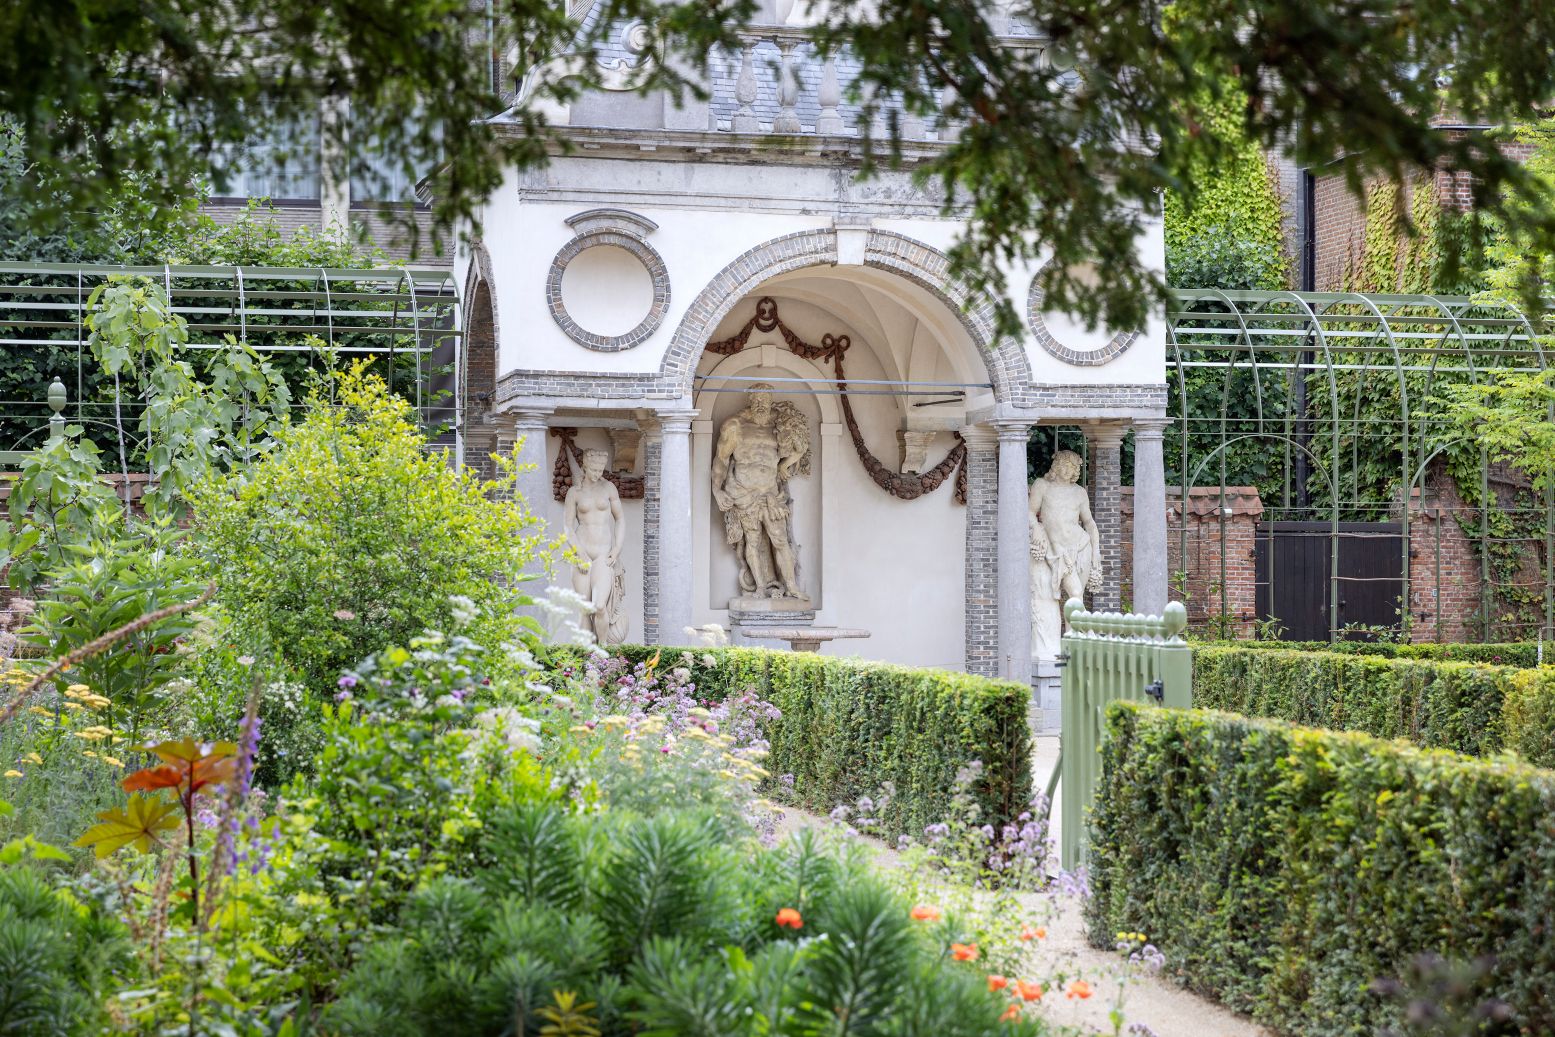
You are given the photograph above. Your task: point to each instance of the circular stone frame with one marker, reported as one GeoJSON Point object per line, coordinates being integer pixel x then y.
{"type": "Point", "coordinates": [645, 255]}
{"type": "Point", "coordinates": [1079, 358]}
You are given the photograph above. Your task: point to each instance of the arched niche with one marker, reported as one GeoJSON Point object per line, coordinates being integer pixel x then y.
{"type": "Point", "coordinates": [715, 568]}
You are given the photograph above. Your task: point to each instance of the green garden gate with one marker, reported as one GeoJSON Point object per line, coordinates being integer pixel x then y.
{"type": "Point", "coordinates": [1109, 656]}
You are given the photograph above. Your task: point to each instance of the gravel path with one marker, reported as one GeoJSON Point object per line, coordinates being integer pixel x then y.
{"type": "Point", "coordinates": [1155, 1002]}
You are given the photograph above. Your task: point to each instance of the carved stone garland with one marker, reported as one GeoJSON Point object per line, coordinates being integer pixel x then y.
{"type": "Point", "coordinates": [630, 487]}
{"type": "Point", "coordinates": [903, 486]}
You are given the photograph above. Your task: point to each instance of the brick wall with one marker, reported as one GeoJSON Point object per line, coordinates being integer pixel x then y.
{"type": "Point", "coordinates": [1106, 503]}
{"type": "Point", "coordinates": [1340, 221]}
{"type": "Point", "coordinates": [1339, 217]}
{"type": "Point", "coordinates": [1209, 543]}
{"type": "Point", "coordinates": [1444, 566]}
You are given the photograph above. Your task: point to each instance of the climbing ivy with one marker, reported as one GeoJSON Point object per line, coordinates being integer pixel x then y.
{"type": "Point", "coordinates": [1232, 237]}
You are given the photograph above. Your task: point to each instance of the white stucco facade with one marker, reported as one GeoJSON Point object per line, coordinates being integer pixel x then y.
{"type": "Point", "coordinates": [593, 286]}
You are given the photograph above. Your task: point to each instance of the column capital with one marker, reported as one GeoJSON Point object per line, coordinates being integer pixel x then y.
{"type": "Point", "coordinates": [1150, 428]}
{"type": "Point", "coordinates": [531, 419]}
{"type": "Point", "coordinates": [979, 438]}
{"type": "Point", "coordinates": [1013, 431]}
{"type": "Point", "coordinates": [677, 422]}
{"type": "Point", "coordinates": [1105, 435]}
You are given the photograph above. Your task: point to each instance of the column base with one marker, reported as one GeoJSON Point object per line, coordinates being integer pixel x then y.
{"type": "Point", "coordinates": [1047, 697]}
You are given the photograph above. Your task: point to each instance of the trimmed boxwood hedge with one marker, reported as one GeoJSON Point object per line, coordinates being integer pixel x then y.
{"type": "Point", "coordinates": [1441, 705]}
{"type": "Point", "coordinates": [850, 726]}
{"type": "Point", "coordinates": [1511, 653]}
{"type": "Point", "coordinates": [1282, 870]}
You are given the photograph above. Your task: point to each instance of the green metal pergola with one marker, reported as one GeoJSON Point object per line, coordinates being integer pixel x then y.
{"type": "Point", "coordinates": [1333, 394]}
{"type": "Point", "coordinates": [1320, 400]}
{"type": "Point", "coordinates": [407, 316]}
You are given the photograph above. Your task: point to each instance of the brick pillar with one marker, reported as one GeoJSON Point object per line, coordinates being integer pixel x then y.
{"type": "Point", "coordinates": [982, 547]}
{"type": "Point", "coordinates": [1014, 553]}
{"type": "Point", "coordinates": [1106, 450]}
{"type": "Point", "coordinates": [652, 450]}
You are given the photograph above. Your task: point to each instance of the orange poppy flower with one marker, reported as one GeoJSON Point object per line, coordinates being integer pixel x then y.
{"type": "Point", "coordinates": [997, 982]}
{"type": "Point", "coordinates": [1012, 1012]}
{"type": "Point", "coordinates": [1079, 988]}
{"type": "Point", "coordinates": [925, 913]}
{"type": "Point", "coordinates": [1028, 934]}
{"type": "Point", "coordinates": [963, 951]}
{"type": "Point", "coordinates": [1028, 991]}
{"type": "Point", "coordinates": [790, 918]}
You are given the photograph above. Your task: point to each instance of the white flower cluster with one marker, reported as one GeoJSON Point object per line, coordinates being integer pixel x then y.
{"type": "Point", "coordinates": [503, 727]}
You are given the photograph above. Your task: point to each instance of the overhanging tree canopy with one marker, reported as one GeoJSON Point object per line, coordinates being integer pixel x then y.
{"type": "Point", "coordinates": [1053, 161]}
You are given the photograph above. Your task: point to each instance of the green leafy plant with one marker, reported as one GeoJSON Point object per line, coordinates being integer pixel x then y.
{"type": "Point", "coordinates": [109, 584]}
{"type": "Point", "coordinates": [57, 953]}
{"type": "Point", "coordinates": [351, 536]}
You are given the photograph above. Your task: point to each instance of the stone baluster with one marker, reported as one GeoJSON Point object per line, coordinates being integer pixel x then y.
{"type": "Point", "coordinates": [745, 120]}
{"type": "Point", "coordinates": [869, 111]}
{"type": "Point", "coordinates": [911, 125]}
{"type": "Point", "coordinates": [947, 102]}
{"type": "Point", "coordinates": [829, 94]}
{"type": "Point", "coordinates": [787, 120]}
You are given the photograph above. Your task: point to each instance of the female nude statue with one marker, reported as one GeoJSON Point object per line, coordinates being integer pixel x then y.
{"type": "Point", "coordinates": [591, 518]}
{"type": "Point", "coordinates": [1065, 549]}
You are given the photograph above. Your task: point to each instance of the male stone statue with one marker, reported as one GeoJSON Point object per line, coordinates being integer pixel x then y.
{"type": "Point", "coordinates": [1065, 550]}
{"type": "Point", "coordinates": [759, 450]}
{"type": "Point", "coordinates": [591, 518]}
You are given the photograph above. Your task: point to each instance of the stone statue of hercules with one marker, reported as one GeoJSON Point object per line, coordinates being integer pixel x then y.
{"type": "Point", "coordinates": [755, 456]}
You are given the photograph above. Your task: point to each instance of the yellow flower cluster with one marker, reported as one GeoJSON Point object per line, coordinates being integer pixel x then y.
{"type": "Point", "coordinates": [79, 696]}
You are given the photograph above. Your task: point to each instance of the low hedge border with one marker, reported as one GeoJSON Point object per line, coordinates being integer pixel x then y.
{"type": "Point", "coordinates": [850, 726]}
{"type": "Point", "coordinates": [1466, 707]}
{"type": "Point", "coordinates": [1441, 705]}
{"type": "Point", "coordinates": [1282, 870]}
{"type": "Point", "coordinates": [1510, 653]}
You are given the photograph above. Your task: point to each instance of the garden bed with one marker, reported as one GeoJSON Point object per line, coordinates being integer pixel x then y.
{"type": "Point", "coordinates": [850, 728]}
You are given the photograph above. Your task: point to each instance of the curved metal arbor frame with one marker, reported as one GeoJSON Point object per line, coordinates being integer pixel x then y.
{"type": "Point", "coordinates": [410, 315]}
{"type": "Point", "coordinates": [1298, 370]}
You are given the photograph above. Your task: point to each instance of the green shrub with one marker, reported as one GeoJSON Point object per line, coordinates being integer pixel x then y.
{"type": "Point", "coordinates": [1444, 705]}
{"type": "Point", "coordinates": [1284, 870]}
{"type": "Point", "coordinates": [849, 727]}
{"type": "Point", "coordinates": [1528, 716]}
{"type": "Point", "coordinates": [56, 953]}
{"type": "Point", "coordinates": [351, 536]}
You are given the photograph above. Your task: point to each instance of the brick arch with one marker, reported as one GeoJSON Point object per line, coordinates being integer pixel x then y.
{"type": "Point", "coordinates": [480, 336]}
{"type": "Point", "coordinates": [478, 379]}
{"type": "Point", "coordinates": [923, 265]}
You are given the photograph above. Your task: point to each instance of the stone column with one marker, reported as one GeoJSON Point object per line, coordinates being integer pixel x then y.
{"type": "Point", "coordinates": [1149, 516]}
{"type": "Point", "coordinates": [530, 427]}
{"type": "Point", "coordinates": [1014, 582]}
{"type": "Point", "coordinates": [1106, 449]}
{"type": "Point", "coordinates": [982, 538]}
{"type": "Point", "coordinates": [674, 522]}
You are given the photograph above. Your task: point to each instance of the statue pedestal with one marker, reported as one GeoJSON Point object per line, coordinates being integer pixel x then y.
{"type": "Point", "coordinates": [1047, 697]}
{"type": "Point", "coordinates": [750, 619]}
